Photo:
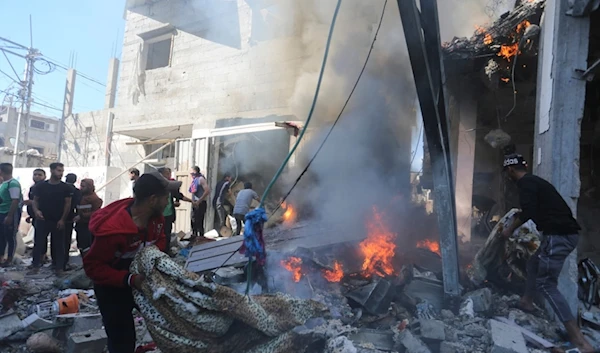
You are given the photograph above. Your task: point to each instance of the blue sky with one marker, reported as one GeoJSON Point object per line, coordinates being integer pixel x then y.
{"type": "Point", "coordinates": [89, 29]}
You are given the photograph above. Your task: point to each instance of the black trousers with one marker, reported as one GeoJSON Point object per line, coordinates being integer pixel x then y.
{"type": "Point", "coordinates": [169, 220]}
{"type": "Point", "coordinates": [68, 239]}
{"type": "Point", "coordinates": [84, 237]}
{"type": "Point", "coordinates": [40, 242]}
{"type": "Point", "coordinates": [116, 305]}
{"type": "Point", "coordinates": [198, 214]}
{"type": "Point", "coordinates": [239, 220]}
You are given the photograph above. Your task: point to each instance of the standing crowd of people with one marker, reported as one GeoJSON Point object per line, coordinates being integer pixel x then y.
{"type": "Point", "coordinates": [108, 238]}
{"type": "Point", "coordinates": [54, 208]}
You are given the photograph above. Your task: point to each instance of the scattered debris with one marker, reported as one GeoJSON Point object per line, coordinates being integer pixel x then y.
{"type": "Point", "coordinates": [42, 343]}
{"type": "Point", "coordinates": [374, 297]}
{"type": "Point", "coordinates": [506, 338]}
{"type": "Point", "coordinates": [482, 299]}
{"type": "Point", "coordinates": [87, 341]}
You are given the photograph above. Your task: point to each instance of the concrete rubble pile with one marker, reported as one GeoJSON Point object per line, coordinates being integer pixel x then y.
{"type": "Point", "coordinates": [351, 313]}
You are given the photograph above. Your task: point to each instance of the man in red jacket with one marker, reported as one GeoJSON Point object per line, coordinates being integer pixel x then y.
{"type": "Point", "coordinates": [120, 230]}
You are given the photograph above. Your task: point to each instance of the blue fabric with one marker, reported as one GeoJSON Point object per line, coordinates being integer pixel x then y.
{"type": "Point", "coordinates": [253, 238]}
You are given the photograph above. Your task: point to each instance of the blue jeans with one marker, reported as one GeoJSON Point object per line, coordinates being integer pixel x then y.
{"type": "Point", "coordinates": [8, 234]}
{"type": "Point", "coordinates": [543, 269]}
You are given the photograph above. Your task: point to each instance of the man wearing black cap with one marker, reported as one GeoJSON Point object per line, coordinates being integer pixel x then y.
{"type": "Point", "coordinates": [120, 230]}
{"type": "Point", "coordinates": [541, 203]}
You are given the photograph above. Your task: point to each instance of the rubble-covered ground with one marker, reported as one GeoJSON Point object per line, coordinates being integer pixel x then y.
{"type": "Point", "coordinates": [403, 312]}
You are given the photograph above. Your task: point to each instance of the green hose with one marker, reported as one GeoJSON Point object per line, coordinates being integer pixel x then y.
{"type": "Point", "coordinates": [312, 108]}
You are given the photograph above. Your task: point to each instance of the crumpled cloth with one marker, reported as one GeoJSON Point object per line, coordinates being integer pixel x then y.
{"type": "Point", "coordinates": [184, 313]}
{"type": "Point", "coordinates": [254, 243]}
{"type": "Point", "coordinates": [515, 251]}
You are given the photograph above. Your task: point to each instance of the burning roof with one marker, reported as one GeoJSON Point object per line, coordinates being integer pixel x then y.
{"type": "Point", "coordinates": [503, 38]}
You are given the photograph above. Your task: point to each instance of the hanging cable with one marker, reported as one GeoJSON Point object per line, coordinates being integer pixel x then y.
{"type": "Point", "coordinates": [339, 115]}
{"type": "Point", "coordinates": [253, 245]}
{"type": "Point", "coordinates": [311, 111]}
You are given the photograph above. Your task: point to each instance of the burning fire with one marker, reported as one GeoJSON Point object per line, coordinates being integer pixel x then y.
{"type": "Point", "coordinates": [508, 51]}
{"type": "Point", "coordinates": [521, 27]}
{"type": "Point", "coordinates": [289, 216]}
{"type": "Point", "coordinates": [430, 245]}
{"type": "Point", "coordinates": [294, 265]}
{"type": "Point", "coordinates": [334, 275]}
{"type": "Point", "coordinates": [487, 40]}
{"type": "Point", "coordinates": [378, 249]}
{"type": "Point", "coordinates": [505, 79]}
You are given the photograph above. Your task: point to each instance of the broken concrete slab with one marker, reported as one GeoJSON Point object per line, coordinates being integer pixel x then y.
{"type": "Point", "coordinates": [482, 299]}
{"type": "Point", "coordinates": [405, 340]}
{"type": "Point", "coordinates": [375, 297]}
{"type": "Point", "coordinates": [74, 323]}
{"type": "Point", "coordinates": [9, 324]}
{"type": "Point", "coordinates": [382, 340]}
{"type": "Point", "coordinates": [426, 289]}
{"type": "Point", "coordinates": [87, 342]}
{"type": "Point", "coordinates": [36, 323]}
{"type": "Point", "coordinates": [432, 330]}
{"type": "Point", "coordinates": [506, 338]}
{"type": "Point", "coordinates": [529, 336]}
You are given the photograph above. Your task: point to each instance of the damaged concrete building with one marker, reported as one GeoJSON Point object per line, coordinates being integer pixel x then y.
{"type": "Point", "coordinates": [222, 86]}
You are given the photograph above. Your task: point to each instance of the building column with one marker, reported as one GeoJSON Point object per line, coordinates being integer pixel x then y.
{"type": "Point", "coordinates": [560, 102]}
{"type": "Point", "coordinates": [465, 165]}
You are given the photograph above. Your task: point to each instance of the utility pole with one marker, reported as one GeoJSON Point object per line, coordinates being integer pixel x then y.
{"type": "Point", "coordinates": [25, 94]}
{"type": "Point", "coordinates": [67, 109]}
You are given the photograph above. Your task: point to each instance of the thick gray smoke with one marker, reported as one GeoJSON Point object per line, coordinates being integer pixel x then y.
{"type": "Point", "coordinates": [366, 160]}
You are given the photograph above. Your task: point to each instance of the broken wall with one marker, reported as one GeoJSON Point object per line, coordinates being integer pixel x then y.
{"type": "Point", "coordinates": [223, 64]}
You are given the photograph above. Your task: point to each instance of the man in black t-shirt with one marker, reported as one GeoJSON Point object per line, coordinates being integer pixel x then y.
{"type": "Point", "coordinates": [70, 180]}
{"type": "Point", "coordinates": [542, 203]}
{"type": "Point", "coordinates": [51, 206]}
{"type": "Point", "coordinates": [39, 175]}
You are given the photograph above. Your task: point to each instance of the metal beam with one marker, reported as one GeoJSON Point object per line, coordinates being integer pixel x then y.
{"type": "Point", "coordinates": [422, 39]}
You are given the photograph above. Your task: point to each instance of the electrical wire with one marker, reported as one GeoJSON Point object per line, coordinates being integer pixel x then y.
{"type": "Point", "coordinates": [79, 73]}
{"type": "Point", "coordinates": [46, 106]}
{"type": "Point", "coordinates": [308, 119]}
{"type": "Point", "coordinates": [51, 66]}
{"type": "Point", "coordinates": [12, 79]}
{"type": "Point", "coordinates": [10, 63]}
{"type": "Point", "coordinates": [417, 146]}
{"type": "Point", "coordinates": [339, 115]}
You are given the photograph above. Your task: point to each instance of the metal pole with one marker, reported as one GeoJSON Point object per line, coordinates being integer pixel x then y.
{"type": "Point", "coordinates": [421, 30]}
{"type": "Point", "coordinates": [25, 104]}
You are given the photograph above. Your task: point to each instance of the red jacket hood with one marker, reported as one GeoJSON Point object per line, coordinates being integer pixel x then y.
{"type": "Point", "coordinates": [113, 219]}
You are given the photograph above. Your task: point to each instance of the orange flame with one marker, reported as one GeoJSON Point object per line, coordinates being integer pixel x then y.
{"type": "Point", "coordinates": [508, 51]}
{"type": "Point", "coordinates": [294, 265]}
{"type": "Point", "coordinates": [289, 216]}
{"type": "Point", "coordinates": [521, 27]}
{"type": "Point", "coordinates": [505, 79]}
{"type": "Point", "coordinates": [334, 275]}
{"type": "Point", "coordinates": [379, 248]}
{"type": "Point", "coordinates": [479, 29]}
{"type": "Point", "coordinates": [430, 245]}
{"type": "Point", "coordinates": [487, 40]}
